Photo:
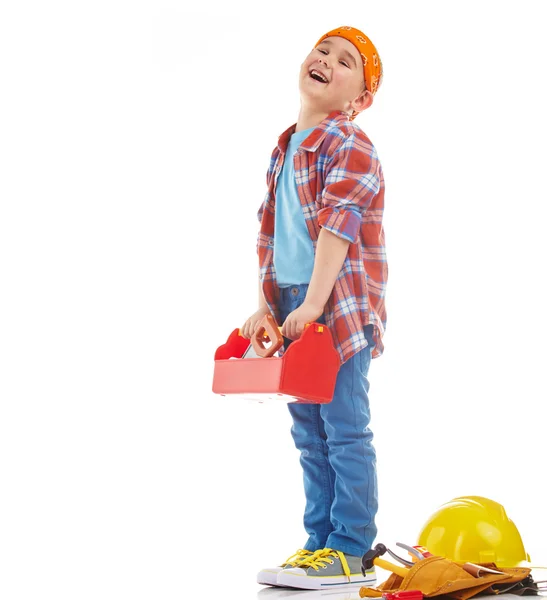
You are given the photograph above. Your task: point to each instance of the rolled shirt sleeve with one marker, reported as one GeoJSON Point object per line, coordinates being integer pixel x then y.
{"type": "Point", "coordinates": [352, 180]}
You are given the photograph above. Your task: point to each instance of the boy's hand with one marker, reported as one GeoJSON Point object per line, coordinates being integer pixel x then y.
{"type": "Point", "coordinates": [294, 324]}
{"type": "Point", "coordinates": [252, 322]}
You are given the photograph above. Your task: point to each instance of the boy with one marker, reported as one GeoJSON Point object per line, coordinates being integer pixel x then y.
{"type": "Point", "coordinates": [322, 258]}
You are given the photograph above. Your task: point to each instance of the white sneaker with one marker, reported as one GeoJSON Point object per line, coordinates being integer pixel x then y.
{"type": "Point", "coordinates": [327, 569]}
{"type": "Point", "coordinates": [274, 593]}
{"type": "Point", "coordinates": [269, 576]}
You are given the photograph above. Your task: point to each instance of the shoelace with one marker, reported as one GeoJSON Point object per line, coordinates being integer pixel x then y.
{"type": "Point", "coordinates": [297, 558]}
{"type": "Point", "coordinates": [323, 557]}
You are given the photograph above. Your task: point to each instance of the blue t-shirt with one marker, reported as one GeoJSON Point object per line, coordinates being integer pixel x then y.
{"type": "Point", "coordinates": [293, 249]}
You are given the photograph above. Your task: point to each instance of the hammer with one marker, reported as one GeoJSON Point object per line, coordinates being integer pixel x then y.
{"type": "Point", "coordinates": [372, 557]}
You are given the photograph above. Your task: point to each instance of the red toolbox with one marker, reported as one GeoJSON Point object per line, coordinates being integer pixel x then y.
{"type": "Point", "coordinates": [305, 373]}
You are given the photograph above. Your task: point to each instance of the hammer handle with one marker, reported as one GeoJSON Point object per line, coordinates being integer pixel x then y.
{"type": "Point", "coordinates": [389, 566]}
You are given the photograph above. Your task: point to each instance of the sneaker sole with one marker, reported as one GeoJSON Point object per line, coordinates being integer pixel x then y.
{"type": "Point", "coordinates": [269, 577]}
{"type": "Point", "coordinates": [303, 581]}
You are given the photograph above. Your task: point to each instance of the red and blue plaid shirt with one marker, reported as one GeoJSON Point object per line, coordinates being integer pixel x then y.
{"type": "Point", "coordinates": [340, 184]}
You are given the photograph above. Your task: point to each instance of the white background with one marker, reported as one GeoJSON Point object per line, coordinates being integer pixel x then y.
{"type": "Point", "coordinates": [135, 138]}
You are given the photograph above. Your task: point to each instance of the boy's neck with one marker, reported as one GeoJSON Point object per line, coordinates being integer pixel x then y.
{"type": "Point", "coordinates": [308, 118]}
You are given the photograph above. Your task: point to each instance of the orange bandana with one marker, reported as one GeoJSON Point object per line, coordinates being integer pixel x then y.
{"type": "Point", "coordinates": [372, 65]}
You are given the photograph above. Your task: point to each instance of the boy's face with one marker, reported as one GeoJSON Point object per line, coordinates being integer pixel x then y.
{"type": "Point", "coordinates": [340, 63]}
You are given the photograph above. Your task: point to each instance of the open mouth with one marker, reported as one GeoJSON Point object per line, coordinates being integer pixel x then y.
{"type": "Point", "coordinates": [318, 76]}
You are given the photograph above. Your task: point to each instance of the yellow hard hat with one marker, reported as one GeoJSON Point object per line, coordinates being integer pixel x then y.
{"type": "Point", "coordinates": [474, 529]}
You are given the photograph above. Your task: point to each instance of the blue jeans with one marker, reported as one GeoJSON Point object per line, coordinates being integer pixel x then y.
{"type": "Point", "coordinates": [336, 453]}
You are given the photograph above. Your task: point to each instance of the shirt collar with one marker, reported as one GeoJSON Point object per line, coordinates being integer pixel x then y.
{"type": "Point", "coordinates": [336, 119]}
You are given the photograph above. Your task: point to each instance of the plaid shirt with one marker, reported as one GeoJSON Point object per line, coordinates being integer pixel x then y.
{"type": "Point", "coordinates": [340, 184]}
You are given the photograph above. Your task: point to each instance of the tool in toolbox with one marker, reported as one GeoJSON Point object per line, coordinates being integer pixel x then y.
{"type": "Point", "coordinates": [306, 372]}
{"type": "Point", "coordinates": [262, 338]}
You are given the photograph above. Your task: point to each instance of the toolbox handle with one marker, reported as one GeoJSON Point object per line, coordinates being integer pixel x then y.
{"type": "Point", "coordinates": [267, 330]}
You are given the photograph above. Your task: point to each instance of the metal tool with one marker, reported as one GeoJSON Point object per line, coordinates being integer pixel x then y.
{"type": "Point", "coordinates": [411, 550]}
{"type": "Point", "coordinates": [372, 557]}
{"type": "Point", "coordinates": [403, 561]}
{"type": "Point", "coordinates": [250, 352]}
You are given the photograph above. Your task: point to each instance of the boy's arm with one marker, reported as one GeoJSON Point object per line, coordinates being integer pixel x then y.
{"type": "Point", "coordinates": [351, 182]}
{"type": "Point", "coordinates": [250, 325]}
{"type": "Point", "coordinates": [330, 254]}
{"type": "Point", "coordinates": [262, 304]}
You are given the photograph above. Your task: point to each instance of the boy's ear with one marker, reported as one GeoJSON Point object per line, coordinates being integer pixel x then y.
{"type": "Point", "coordinates": [363, 101]}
